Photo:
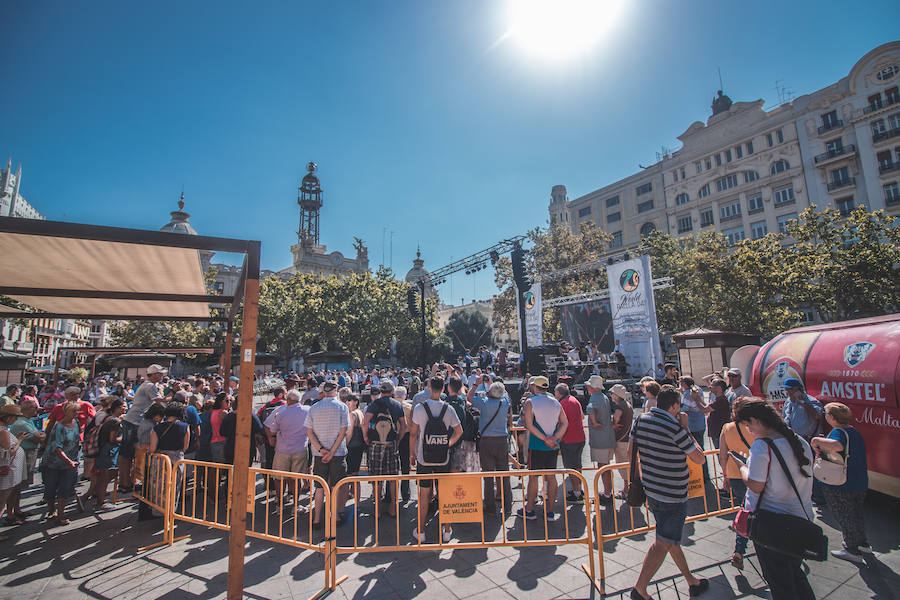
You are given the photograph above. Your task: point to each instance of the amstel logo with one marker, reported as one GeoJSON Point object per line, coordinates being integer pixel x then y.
{"type": "Point", "coordinates": [529, 300]}
{"type": "Point", "coordinates": [630, 280]}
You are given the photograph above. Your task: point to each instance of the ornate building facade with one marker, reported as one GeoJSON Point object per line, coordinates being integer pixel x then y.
{"type": "Point", "coordinates": [12, 204]}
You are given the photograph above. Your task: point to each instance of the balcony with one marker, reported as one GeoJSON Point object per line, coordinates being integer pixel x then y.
{"type": "Point", "coordinates": [706, 224]}
{"type": "Point", "coordinates": [835, 124]}
{"type": "Point", "coordinates": [733, 217]}
{"type": "Point", "coordinates": [837, 153]}
{"type": "Point", "coordinates": [888, 167]}
{"type": "Point", "coordinates": [841, 183]}
{"type": "Point", "coordinates": [877, 106]}
{"type": "Point", "coordinates": [886, 135]}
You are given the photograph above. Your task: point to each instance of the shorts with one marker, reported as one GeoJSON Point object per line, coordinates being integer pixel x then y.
{"type": "Point", "coordinates": [332, 471]}
{"type": "Point", "coordinates": [59, 484]}
{"type": "Point", "coordinates": [464, 457]}
{"type": "Point", "coordinates": [428, 470]}
{"type": "Point", "coordinates": [603, 456]}
{"type": "Point", "coordinates": [571, 454]}
{"type": "Point", "coordinates": [292, 463]}
{"type": "Point", "coordinates": [217, 452]}
{"type": "Point", "coordinates": [107, 458]}
{"type": "Point", "coordinates": [622, 454]}
{"type": "Point", "coordinates": [129, 439]}
{"type": "Point", "coordinates": [669, 520]}
{"type": "Point", "coordinates": [541, 460]}
{"type": "Point", "coordinates": [383, 458]}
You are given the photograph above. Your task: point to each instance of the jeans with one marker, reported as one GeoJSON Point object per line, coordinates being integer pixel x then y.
{"type": "Point", "coordinates": [738, 491]}
{"type": "Point", "coordinates": [784, 574]}
{"type": "Point", "coordinates": [669, 518]}
{"type": "Point", "coordinates": [494, 455]}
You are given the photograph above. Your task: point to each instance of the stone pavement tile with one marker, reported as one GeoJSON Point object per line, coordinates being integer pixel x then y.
{"type": "Point", "coordinates": [280, 588]}
{"type": "Point", "coordinates": [498, 571]}
{"type": "Point", "coordinates": [567, 578]}
{"type": "Point", "coordinates": [621, 581]}
{"type": "Point", "coordinates": [874, 580]}
{"type": "Point", "coordinates": [531, 590]}
{"type": "Point", "coordinates": [465, 586]}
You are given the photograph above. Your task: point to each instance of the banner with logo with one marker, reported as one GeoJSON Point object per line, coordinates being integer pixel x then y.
{"type": "Point", "coordinates": [634, 314]}
{"type": "Point", "coordinates": [460, 500]}
{"type": "Point", "coordinates": [534, 322]}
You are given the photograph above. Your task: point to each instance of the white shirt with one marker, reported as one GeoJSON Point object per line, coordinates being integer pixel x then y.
{"type": "Point", "coordinates": [779, 495]}
{"type": "Point", "coordinates": [572, 354]}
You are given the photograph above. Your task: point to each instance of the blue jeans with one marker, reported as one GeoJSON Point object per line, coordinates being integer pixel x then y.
{"type": "Point", "coordinates": [738, 491]}
{"type": "Point", "coordinates": [670, 518]}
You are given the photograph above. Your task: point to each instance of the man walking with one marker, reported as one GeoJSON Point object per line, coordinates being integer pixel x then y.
{"type": "Point", "coordinates": [664, 446]}
{"type": "Point", "coordinates": [546, 421]}
{"type": "Point", "coordinates": [326, 427]}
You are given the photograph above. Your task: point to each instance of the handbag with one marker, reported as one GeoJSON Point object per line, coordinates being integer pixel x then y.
{"type": "Point", "coordinates": [831, 471]}
{"type": "Point", "coordinates": [636, 495]}
{"type": "Point", "coordinates": [741, 522]}
{"type": "Point", "coordinates": [794, 536]}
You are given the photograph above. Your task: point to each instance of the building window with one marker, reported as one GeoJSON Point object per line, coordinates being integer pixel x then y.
{"type": "Point", "coordinates": [894, 121]}
{"type": "Point", "coordinates": [729, 211]}
{"type": "Point", "coordinates": [648, 228]}
{"type": "Point", "coordinates": [645, 206]}
{"type": "Point", "coordinates": [783, 221]}
{"type": "Point", "coordinates": [739, 151]}
{"type": "Point", "coordinates": [675, 175]}
{"type": "Point", "coordinates": [758, 229]}
{"type": "Point", "coordinates": [892, 95]}
{"type": "Point", "coordinates": [887, 72]}
{"type": "Point", "coordinates": [583, 212]}
{"type": "Point", "coordinates": [685, 224]}
{"type": "Point", "coordinates": [644, 188]}
{"type": "Point", "coordinates": [769, 140]}
{"type": "Point", "coordinates": [885, 160]}
{"type": "Point", "coordinates": [892, 193]}
{"type": "Point", "coordinates": [840, 176]}
{"type": "Point", "coordinates": [613, 217]}
{"type": "Point", "coordinates": [835, 146]}
{"type": "Point", "coordinates": [708, 164]}
{"type": "Point", "coordinates": [682, 199]}
{"type": "Point", "coordinates": [699, 166]}
{"type": "Point", "coordinates": [703, 192]}
{"type": "Point", "coordinates": [875, 102]}
{"type": "Point", "coordinates": [750, 147]}
{"type": "Point", "coordinates": [614, 201]}
{"type": "Point", "coordinates": [616, 241]}
{"type": "Point", "coordinates": [780, 166]}
{"type": "Point", "coordinates": [734, 235]}
{"type": "Point", "coordinates": [718, 160]}
{"type": "Point", "coordinates": [830, 121]}
{"type": "Point", "coordinates": [780, 136]}
{"type": "Point", "coordinates": [755, 204]}
{"type": "Point", "coordinates": [846, 205]}
{"type": "Point", "coordinates": [750, 176]}
{"type": "Point", "coordinates": [682, 172]}
{"type": "Point", "coordinates": [706, 217]}
{"type": "Point", "coordinates": [878, 126]}
{"type": "Point", "coordinates": [784, 195]}
{"type": "Point", "coordinates": [728, 156]}
{"type": "Point", "coordinates": [726, 183]}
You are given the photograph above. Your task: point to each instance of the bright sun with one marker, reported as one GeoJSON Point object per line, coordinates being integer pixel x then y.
{"type": "Point", "coordinates": [560, 29]}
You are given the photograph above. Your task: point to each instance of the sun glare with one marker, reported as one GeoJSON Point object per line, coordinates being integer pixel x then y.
{"type": "Point", "coordinates": [560, 29]}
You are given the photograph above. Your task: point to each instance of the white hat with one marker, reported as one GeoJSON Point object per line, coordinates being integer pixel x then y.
{"type": "Point", "coordinates": [152, 369]}
{"type": "Point", "coordinates": [733, 371]}
{"type": "Point", "coordinates": [596, 381]}
{"type": "Point", "coordinates": [619, 390]}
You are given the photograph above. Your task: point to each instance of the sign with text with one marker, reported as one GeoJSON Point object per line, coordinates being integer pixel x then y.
{"type": "Point", "coordinates": [460, 499]}
{"type": "Point", "coordinates": [634, 314]}
{"type": "Point", "coordinates": [695, 483]}
{"type": "Point", "coordinates": [534, 316]}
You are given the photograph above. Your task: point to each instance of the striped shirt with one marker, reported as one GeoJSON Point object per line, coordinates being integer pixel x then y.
{"type": "Point", "coordinates": [663, 445]}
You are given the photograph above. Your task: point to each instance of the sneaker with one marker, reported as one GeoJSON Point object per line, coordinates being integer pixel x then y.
{"type": "Point", "coordinates": [420, 537]}
{"type": "Point", "coordinates": [845, 554]}
{"type": "Point", "coordinates": [603, 498]}
{"type": "Point", "coordinates": [526, 514]}
{"type": "Point", "coordinates": [107, 506]}
{"type": "Point", "coordinates": [447, 535]}
{"type": "Point", "coordinates": [865, 549]}
{"type": "Point", "coordinates": [696, 590]}
{"type": "Point", "coordinates": [551, 515]}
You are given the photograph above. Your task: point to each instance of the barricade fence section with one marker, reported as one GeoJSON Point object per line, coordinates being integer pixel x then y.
{"type": "Point", "coordinates": [379, 526]}
{"type": "Point", "coordinates": [156, 492]}
{"type": "Point", "coordinates": [615, 519]}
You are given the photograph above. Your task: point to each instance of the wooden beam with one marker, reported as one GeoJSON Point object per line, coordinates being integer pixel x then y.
{"type": "Point", "coordinates": [46, 315]}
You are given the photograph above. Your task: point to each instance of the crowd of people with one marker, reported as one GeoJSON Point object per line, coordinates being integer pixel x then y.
{"type": "Point", "coordinates": [451, 418]}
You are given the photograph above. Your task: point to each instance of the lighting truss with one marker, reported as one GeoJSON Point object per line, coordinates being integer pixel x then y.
{"type": "Point", "coordinates": [658, 284]}
{"type": "Point", "coordinates": [587, 267]}
{"type": "Point", "coordinates": [473, 263]}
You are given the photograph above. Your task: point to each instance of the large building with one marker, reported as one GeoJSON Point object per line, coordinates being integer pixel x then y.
{"type": "Point", "coordinates": [12, 204]}
{"type": "Point", "coordinates": [747, 171]}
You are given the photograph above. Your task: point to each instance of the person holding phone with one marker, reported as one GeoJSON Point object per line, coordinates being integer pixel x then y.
{"type": "Point", "coordinates": [734, 449]}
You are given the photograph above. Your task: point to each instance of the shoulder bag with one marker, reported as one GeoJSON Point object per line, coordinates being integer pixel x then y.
{"type": "Point", "coordinates": [741, 520]}
{"type": "Point", "coordinates": [636, 495]}
{"type": "Point", "coordinates": [832, 472]}
{"type": "Point", "coordinates": [794, 536]}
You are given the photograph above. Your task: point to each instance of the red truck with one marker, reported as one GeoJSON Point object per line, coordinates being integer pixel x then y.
{"type": "Point", "coordinates": [854, 362]}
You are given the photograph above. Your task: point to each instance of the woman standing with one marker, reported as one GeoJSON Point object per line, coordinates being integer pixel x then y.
{"type": "Point", "coordinates": [59, 466]}
{"type": "Point", "coordinates": [356, 445]}
{"type": "Point", "coordinates": [106, 463]}
{"type": "Point", "coordinates": [217, 443]}
{"type": "Point", "coordinates": [12, 461]}
{"type": "Point", "coordinates": [172, 438]}
{"type": "Point", "coordinates": [735, 437]}
{"type": "Point", "coordinates": [763, 475]}
{"type": "Point", "coordinates": [846, 501]}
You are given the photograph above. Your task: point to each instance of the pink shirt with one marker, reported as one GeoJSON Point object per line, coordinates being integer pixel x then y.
{"type": "Point", "coordinates": [575, 431]}
{"type": "Point", "coordinates": [215, 420]}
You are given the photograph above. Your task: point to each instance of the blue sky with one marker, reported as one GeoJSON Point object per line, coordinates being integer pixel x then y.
{"type": "Point", "coordinates": [420, 122]}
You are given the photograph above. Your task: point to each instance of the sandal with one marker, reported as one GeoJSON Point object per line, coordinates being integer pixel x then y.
{"type": "Point", "coordinates": [15, 520]}
{"type": "Point", "coordinates": [737, 561]}
{"type": "Point", "coordinates": [62, 521]}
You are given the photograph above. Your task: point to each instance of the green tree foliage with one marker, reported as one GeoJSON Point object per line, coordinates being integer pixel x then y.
{"type": "Point", "coordinates": [150, 334]}
{"type": "Point", "coordinates": [468, 329]}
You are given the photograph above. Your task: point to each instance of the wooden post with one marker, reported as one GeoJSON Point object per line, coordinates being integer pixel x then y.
{"type": "Point", "coordinates": [241, 471]}
{"type": "Point", "coordinates": [56, 370]}
{"type": "Point", "coordinates": [226, 353]}
{"type": "Point", "coordinates": [93, 367]}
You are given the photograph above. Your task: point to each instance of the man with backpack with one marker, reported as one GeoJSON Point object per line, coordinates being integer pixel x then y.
{"type": "Point", "coordinates": [383, 426]}
{"type": "Point", "coordinates": [435, 428]}
{"type": "Point", "coordinates": [464, 455]}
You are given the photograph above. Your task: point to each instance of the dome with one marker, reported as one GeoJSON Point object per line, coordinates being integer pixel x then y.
{"type": "Point", "coordinates": [419, 272]}
{"type": "Point", "coordinates": [180, 222]}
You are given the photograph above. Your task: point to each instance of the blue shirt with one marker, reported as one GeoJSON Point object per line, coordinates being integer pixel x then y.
{"type": "Point", "coordinates": [796, 418]}
{"type": "Point", "coordinates": [488, 407]}
{"type": "Point", "coordinates": [857, 466]}
{"type": "Point", "coordinates": [696, 417]}
{"type": "Point", "coordinates": [192, 418]}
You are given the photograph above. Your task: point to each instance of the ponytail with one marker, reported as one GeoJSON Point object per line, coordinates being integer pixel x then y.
{"type": "Point", "coordinates": [762, 410]}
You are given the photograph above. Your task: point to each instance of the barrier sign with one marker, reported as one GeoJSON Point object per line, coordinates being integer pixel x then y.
{"type": "Point", "coordinates": [460, 499]}
{"type": "Point", "coordinates": [695, 483]}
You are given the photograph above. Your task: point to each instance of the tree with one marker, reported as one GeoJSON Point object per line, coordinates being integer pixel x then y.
{"type": "Point", "coordinates": [468, 329]}
{"type": "Point", "coordinates": [153, 334]}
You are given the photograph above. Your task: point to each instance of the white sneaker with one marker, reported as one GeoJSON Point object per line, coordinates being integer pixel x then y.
{"type": "Point", "coordinates": [420, 537]}
{"type": "Point", "coordinates": [447, 535]}
{"type": "Point", "coordinates": [845, 554]}
{"type": "Point", "coordinates": [107, 506]}
{"type": "Point", "coordinates": [865, 549]}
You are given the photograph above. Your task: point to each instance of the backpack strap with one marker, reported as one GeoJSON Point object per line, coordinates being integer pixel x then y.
{"type": "Point", "coordinates": [499, 406]}
{"type": "Point", "coordinates": [787, 473]}
{"type": "Point", "coordinates": [443, 411]}
{"type": "Point", "coordinates": [428, 410]}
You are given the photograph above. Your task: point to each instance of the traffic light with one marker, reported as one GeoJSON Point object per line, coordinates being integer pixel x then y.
{"type": "Point", "coordinates": [411, 300]}
{"type": "Point", "coordinates": [520, 276]}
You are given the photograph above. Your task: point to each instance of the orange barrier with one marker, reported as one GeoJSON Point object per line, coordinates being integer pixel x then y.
{"type": "Point", "coordinates": [156, 492]}
{"type": "Point", "coordinates": [639, 520]}
{"type": "Point", "coordinates": [461, 497]}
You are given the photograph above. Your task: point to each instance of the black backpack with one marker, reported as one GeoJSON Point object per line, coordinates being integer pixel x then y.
{"type": "Point", "coordinates": [436, 438]}
{"type": "Point", "coordinates": [469, 418]}
{"type": "Point", "coordinates": [383, 423]}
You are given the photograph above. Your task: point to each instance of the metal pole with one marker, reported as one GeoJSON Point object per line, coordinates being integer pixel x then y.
{"type": "Point", "coordinates": [226, 354]}
{"type": "Point", "coordinates": [523, 334]}
{"type": "Point", "coordinates": [422, 310]}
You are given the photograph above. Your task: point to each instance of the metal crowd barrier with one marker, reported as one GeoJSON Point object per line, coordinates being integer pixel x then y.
{"type": "Point", "coordinates": [638, 521]}
{"type": "Point", "coordinates": [156, 492]}
{"type": "Point", "coordinates": [552, 533]}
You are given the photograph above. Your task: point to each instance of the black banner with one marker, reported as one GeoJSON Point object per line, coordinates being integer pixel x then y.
{"type": "Point", "coordinates": [588, 322]}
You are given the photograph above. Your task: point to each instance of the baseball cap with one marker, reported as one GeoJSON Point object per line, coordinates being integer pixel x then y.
{"type": "Point", "coordinates": [386, 387]}
{"type": "Point", "coordinates": [540, 382]}
{"type": "Point", "coordinates": [596, 381]}
{"type": "Point", "coordinates": [152, 369]}
{"type": "Point", "coordinates": [792, 382]}
{"type": "Point", "coordinates": [733, 371]}
{"type": "Point", "coordinates": [233, 378]}
{"type": "Point", "coordinates": [619, 390]}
